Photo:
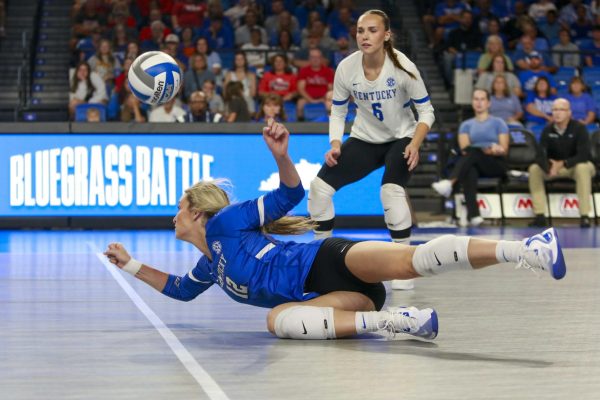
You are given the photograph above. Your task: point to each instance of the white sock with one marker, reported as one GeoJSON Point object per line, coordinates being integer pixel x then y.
{"type": "Point", "coordinates": [508, 251]}
{"type": "Point", "coordinates": [366, 321]}
{"type": "Point", "coordinates": [322, 234]}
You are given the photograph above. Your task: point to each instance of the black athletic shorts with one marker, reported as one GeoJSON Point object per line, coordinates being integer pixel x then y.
{"type": "Point", "coordinates": [329, 273]}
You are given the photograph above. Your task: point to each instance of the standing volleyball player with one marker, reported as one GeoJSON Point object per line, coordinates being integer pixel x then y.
{"type": "Point", "coordinates": [383, 83]}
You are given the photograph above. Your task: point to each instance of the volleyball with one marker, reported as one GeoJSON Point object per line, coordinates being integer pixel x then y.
{"type": "Point", "coordinates": [154, 77]}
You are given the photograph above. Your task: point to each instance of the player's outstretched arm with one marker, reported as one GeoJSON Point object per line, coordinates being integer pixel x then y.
{"type": "Point", "coordinates": [277, 138]}
{"type": "Point", "coordinates": [118, 255]}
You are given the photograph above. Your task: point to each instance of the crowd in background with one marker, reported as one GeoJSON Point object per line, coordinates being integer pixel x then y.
{"type": "Point", "coordinates": [241, 60]}
{"type": "Point", "coordinates": [527, 53]}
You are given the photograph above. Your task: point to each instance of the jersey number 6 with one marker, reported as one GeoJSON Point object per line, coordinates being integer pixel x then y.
{"type": "Point", "coordinates": [377, 111]}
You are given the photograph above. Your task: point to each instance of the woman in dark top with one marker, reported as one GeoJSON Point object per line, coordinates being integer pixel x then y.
{"type": "Point", "coordinates": [235, 104]}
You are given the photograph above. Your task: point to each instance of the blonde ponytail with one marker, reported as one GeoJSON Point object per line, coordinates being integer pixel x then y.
{"type": "Point", "coordinates": [210, 198]}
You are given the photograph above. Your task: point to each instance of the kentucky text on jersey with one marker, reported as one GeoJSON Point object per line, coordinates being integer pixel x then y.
{"type": "Point", "coordinates": [376, 95]}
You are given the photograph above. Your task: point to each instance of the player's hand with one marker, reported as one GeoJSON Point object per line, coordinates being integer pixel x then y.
{"type": "Point", "coordinates": [117, 254]}
{"type": "Point", "coordinates": [411, 154]}
{"type": "Point", "coordinates": [332, 155]}
{"type": "Point", "coordinates": [277, 137]}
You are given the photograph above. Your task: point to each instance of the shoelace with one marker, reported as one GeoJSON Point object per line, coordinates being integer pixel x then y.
{"type": "Point", "coordinates": [409, 323]}
{"type": "Point", "coordinates": [523, 263]}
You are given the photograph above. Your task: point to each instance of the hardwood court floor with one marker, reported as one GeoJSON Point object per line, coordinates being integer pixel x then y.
{"type": "Point", "coordinates": [69, 330]}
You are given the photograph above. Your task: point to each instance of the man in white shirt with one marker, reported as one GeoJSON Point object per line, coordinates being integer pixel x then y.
{"type": "Point", "coordinates": [168, 112]}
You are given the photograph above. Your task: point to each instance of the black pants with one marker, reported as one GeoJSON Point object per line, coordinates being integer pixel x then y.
{"type": "Point", "coordinates": [469, 168]}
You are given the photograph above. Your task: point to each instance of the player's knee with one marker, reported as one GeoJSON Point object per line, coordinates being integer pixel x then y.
{"type": "Point", "coordinates": [304, 322]}
{"type": "Point", "coordinates": [396, 211]}
{"type": "Point", "coordinates": [320, 204]}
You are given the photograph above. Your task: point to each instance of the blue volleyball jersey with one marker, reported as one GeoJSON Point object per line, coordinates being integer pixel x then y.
{"type": "Point", "coordinates": [251, 267]}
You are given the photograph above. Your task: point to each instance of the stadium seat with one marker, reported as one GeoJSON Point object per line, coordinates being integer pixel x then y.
{"type": "Point", "coordinates": [227, 59]}
{"type": "Point", "coordinates": [314, 111]}
{"type": "Point", "coordinates": [81, 111]}
{"type": "Point", "coordinates": [290, 111]}
{"type": "Point", "coordinates": [468, 60]}
{"type": "Point", "coordinates": [564, 75]}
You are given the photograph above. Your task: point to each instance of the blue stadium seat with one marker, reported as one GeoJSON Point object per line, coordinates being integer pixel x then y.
{"type": "Point", "coordinates": [591, 76]}
{"type": "Point", "coordinates": [290, 111]}
{"type": "Point", "coordinates": [564, 75]}
{"type": "Point", "coordinates": [314, 111]}
{"type": "Point", "coordinates": [227, 58]}
{"type": "Point", "coordinates": [81, 111]}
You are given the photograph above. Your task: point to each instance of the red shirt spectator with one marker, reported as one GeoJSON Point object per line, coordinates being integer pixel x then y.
{"type": "Point", "coordinates": [280, 81]}
{"type": "Point", "coordinates": [188, 13]}
{"type": "Point", "coordinates": [165, 6]}
{"type": "Point", "coordinates": [317, 81]}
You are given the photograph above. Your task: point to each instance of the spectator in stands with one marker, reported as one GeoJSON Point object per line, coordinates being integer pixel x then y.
{"type": "Point", "coordinates": [301, 56]}
{"type": "Point", "coordinates": [565, 52]}
{"type": "Point", "coordinates": [146, 31]}
{"type": "Point", "coordinates": [271, 107]}
{"type": "Point", "coordinates": [256, 51]}
{"type": "Point", "coordinates": [513, 27]}
{"type": "Point", "coordinates": [564, 151]}
{"type": "Point", "coordinates": [272, 22]}
{"type": "Point", "coordinates": [195, 76]}
{"type": "Point", "coordinates": [131, 108]}
{"type": "Point", "coordinates": [592, 51]}
{"type": "Point", "coordinates": [538, 105]}
{"type": "Point", "coordinates": [284, 45]}
{"type": "Point", "coordinates": [320, 30]}
{"type": "Point", "coordinates": [279, 80]}
{"type": "Point", "coordinates": [582, 104]}
{"type": "Point", "coordinates": [483, 142]}
{"type": "Point", "coordinates": [550, 27]}
{"type": "Point", "coordinates": [88, 20]}
{"type": "Point", "coordinates": [483, 13]}
{"type": "Point", "coordinates": [498, 67]}
{"type": "Point", "coordinates": [104, 63]}
{"type": "Point", "coordinates": [540, 43]}
{"type": "Point", "coordinates": [92, 115]}
{"type": "Point", "coordinates": [157, 40]}
{"type": "Point", "coordinates": [171, 47]}
{"type": "Point", "coordinates": [303, 10]}
{"type": "Point", "coordinates": [343, 50]}
{"type": "Point", "coordinates": [539, 10]}
{"type": "Point", "coordinates": [199, 111]}
{"type": "Point", "coordinates": [314, 81]}
{"type": "Point", "coordinates": [343, 23]}
{"type": "Point", "coordinates": [188, 46]}
{"type": "Point", "coordinates": [466, 37]}
{"type": "Point", "coordinates": [285, 22]}
{"type": "Point", "coordinates": [582, 26]}
{"type": "Point", "coordinates": [213, 59]}
{"type": "Point", "coordinates": [133, 50]}
{"type": "Point", "coordinates": [236, 12]}
{"type": "Point", "coordinates": [218, 33]}
{"type": "Point", "coordinates": [235, 104]}
{"type": "Point", "coordinates": [495, 29]}
{"type": "Point", "coordinates": [119, 41]}
{"type": "Point", "coordinates": [215, 101]}
{"type": "Point", "coordinates": [125, 13]}
{"type": "Point", "coordinates": [535, 70]}
{"type": "Point", "coordinates": [243, 33]}
{"type": "Point", "coordinates": [187, 13]}
{"type": "Point", "coordinates": [86, 87]}
{"type": "Point", "coordinates": [241, 73]}
{"type": "Point", "coordinates": [446, 17]}
{"type": "Point", "coordinates": [168, 112]}
{"type": "Point", "coordinates": [328, 103]}
{"type": "Point", "coordinates": [568, 14]}
{"type": "Point", "coordinates": [493, 47]}
{"type": "Point", "coordinates": [505, 104]}
{"type": "Point", "coordinates": [121, 79]}
{"type": "Point", "coordinates": [312, 17]}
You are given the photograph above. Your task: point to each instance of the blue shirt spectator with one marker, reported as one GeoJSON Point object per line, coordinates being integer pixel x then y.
{"type": "Point", "coordinates": [583, 106]}
{"type": "Point", "coordinates": [539, 104]}
{"type": "Point", "coordinates": [483, 133]}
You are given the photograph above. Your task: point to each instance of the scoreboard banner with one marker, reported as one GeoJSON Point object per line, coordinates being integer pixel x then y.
{"type": "Point", "coordinates": [126, 175]}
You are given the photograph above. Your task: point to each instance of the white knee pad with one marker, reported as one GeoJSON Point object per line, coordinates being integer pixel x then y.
{"type": "Point", "coordinates": [396, 211]}
{"type": "Point", "coordinates": [320, 204]}
{"type": "Point", "coordinates": [445, 253]}
{"type": "Point", "coordinates": [305, 322]}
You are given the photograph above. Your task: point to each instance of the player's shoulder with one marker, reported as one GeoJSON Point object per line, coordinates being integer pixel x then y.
{"type": "Point", "coordinates": [350, 62]}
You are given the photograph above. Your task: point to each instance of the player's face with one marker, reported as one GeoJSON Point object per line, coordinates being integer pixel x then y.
{"type": "Point", "coordinates": [371, 33]}
{"type": "Point", "coordinates": [184, 219]}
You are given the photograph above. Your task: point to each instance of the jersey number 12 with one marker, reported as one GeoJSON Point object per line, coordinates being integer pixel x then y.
{"type": "Point", "coordinates": [377, 111]}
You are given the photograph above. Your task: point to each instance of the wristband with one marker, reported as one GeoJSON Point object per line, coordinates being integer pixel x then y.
{"type": "Point", "coordinates": [132, 267]}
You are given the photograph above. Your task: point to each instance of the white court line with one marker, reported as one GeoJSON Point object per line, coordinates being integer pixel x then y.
{"type": "Point", "coordinates": [206, 382]}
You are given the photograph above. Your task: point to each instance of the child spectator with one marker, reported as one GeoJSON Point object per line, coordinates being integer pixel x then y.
{"type": "Point", "coordinates": [271, 107]}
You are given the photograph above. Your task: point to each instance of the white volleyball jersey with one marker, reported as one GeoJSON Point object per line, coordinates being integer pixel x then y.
{"type": "Point", "coordinates": [384, 112]}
